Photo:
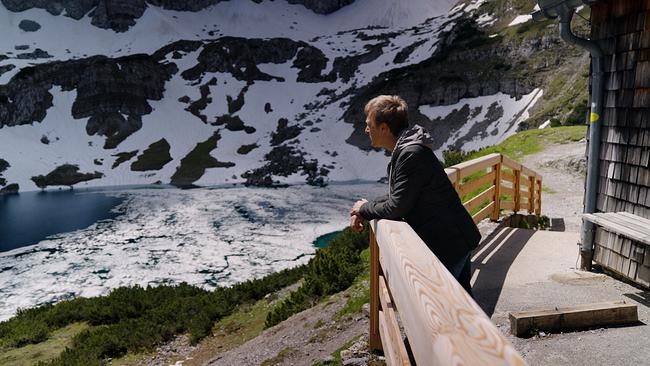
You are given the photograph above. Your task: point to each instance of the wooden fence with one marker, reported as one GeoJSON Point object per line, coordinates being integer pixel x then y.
{"type": "Point", "coordinates": [493, 176]}
{"type": "Point", "coordinates": [444, 325]}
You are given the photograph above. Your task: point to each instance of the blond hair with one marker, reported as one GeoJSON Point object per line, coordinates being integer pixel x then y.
{"type": "Point", "coordinates": [389, 109]}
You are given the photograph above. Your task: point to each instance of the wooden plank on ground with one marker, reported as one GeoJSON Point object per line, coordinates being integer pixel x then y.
{"type": "Point", "coordinates": [522, 323]}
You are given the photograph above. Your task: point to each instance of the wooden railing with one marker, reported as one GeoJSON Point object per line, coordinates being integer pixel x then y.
{"type": "Point", "coordinates": [443, 324]}
{"type": "Point", "coordinates": [496, 176]}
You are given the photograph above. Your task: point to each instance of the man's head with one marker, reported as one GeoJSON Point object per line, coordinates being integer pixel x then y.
{"type": "Point", "coordinates": [386, 117]}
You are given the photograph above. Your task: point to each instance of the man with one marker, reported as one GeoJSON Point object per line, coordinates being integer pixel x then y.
{"type": "Point", "coordinates": [419, 191]}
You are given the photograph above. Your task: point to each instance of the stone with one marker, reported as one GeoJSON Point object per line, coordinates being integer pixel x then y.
{"type": "Point", "coordinates": [10, 189]}
{"type": "Point", "coordinates": [64, 175]}
{"type": "Point", "coordinates": [29, 25]}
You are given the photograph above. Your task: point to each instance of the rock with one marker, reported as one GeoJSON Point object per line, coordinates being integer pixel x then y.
{"type": "Point", "coordinates": [107, 91]}
{"type": "Point", "coordinates": [245, 149]}
{"type": "Point", "coordinates": [366, 309]}
{"type": "Point", "coordinates": [194, 164]}
{"type": "Point", "coordinates": [36, 54]}
{"type": "Point", "coordinates": [234, 123]}
{"type": "Point", "coordinates": [153, 158]}
{"type": "Point", "coordinates": [45, 140]}
{"type": "Point", "coordinates": [240, 57]}
{"type": "Point", "coordinates": [122, 157]}
{"type": "Point", "coordinates": [6, 68]}
{"type": "Point", "coordinates": [64, 175]}
{"type": "Point", "coordinates": [29, 25]}
{"type": "Point", "coordinates": [356, 361]}
{"type": "Point", "coordinates": [284, 132]}
{"type": "Point", "coordinates": [322, 6]}
{"type": "Point", "coordinates": [21, 47]}
{"type": "Point", "coordinates": [118, 15]}
{"type": "Point", "coordinates": [329, 359]}
{"type": "Point", "coordinates": [10, 189]}
{"type": "Point", "coordinates": [4, 165]}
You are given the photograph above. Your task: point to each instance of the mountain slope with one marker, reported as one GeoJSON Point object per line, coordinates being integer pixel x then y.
{"type": "Point", "coordinates": [261, 94]}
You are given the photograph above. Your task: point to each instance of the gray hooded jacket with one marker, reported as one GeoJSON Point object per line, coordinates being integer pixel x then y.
{"type": "Point", "coordinates": [421, 194]}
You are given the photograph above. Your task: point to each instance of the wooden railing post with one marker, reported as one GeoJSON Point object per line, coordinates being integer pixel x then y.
{"type": "Point", "coordinates": [497, 192]}
{"type": "Point", "coordinates": [538, 209]}
{"type": "Point", "coordinates": [374, 339]}
{"type": "Point", "coordinates": [517, 189]}
{"type": "Point", "coordinates": [531, 194]}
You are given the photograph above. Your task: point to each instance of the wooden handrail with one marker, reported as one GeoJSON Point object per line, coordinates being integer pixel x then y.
{"type": "Point", "coordinates": [443, 324]}
{"type": "Point", "coordinates": [523, 182]}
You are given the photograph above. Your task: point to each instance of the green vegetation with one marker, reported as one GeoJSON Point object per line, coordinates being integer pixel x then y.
{"type": "Point", "coordinates": [134, 319]}
{"type": "Point", "coordinates": [522, 143]}
{"type": "Point", "coordinates": [332, 269]}
{"type": "Point", "coordinates": [337, 354]}
{"type": "Point", "coordinates": [359, 291]}
{"type": "Point", "coordinates": [31, 354]}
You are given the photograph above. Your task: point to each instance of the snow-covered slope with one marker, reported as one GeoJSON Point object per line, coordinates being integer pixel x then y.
{"type": "Point", "coordinates": [291, 65]}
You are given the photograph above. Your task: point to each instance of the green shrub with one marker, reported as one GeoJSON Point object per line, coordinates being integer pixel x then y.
{"type": "Point", "coordinates": [332, 269]}
{"type": "Point", "coordinates": [136, 318]}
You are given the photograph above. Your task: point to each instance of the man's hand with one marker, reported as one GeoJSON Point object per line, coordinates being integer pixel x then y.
{"type": "Point", "coordinates": [357, 206]}
{"type": "Point", "coordinates": [356, 223]}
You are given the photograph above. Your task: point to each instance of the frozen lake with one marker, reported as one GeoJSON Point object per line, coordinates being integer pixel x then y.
{"type": "Point", "coordinates": [206, 237]}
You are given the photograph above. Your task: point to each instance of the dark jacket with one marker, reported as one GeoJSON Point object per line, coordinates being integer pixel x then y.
{"type": "Point", "coordinates": [421, 194]}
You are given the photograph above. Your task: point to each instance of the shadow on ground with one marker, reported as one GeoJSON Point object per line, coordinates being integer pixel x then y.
{"type": "Point", "coordinates": [491, 261]}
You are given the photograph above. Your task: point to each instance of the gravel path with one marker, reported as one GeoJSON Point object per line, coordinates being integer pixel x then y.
{"type": "Point", "coordinates": [563, 171]}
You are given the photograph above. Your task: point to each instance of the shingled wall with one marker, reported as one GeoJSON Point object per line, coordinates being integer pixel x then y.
{"type": "Point", "coordinates": [622, 28]}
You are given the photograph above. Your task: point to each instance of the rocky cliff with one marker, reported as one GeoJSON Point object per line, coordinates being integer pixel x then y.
{"type": "Point", "coordinates": [120, 15]}
{"type": "Point", "coordinates": [219, 108]}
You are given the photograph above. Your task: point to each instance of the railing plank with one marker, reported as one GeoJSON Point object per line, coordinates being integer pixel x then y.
{"type": "Point", "coordinates": [478, 200]}
{"type": "Point", "coordinates": [507, 191]}
{"type": "Point", "coordinates": [374, 340]}
{"type": "Point", "coordinates": [485, 212]}
{"type": "Point", "coordinates": [443, 323]}
{"type": "Point", "coordinates": [508, 205]}
{"type": "Point", "coordinates": [392, 332]}
{"type": "Point", "coordinates": [510, 163]}
{"type": "Point", "coordinates": [475, 165]}
{"type": "Point", "coordinates": [507, 176]}
{"type": "Point", "coordinates": [475, 184]}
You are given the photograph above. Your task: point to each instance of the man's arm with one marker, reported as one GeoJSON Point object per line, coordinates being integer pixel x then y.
{"type": "Point", "coordinates": [410, 177]}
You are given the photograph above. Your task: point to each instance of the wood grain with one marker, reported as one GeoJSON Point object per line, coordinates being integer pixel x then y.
{"type": "Point", "coordinates": [443, 323]}
{"type": "Point", "coordinates": [522, 323]}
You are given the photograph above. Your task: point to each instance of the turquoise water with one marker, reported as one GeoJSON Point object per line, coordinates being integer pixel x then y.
{"type": "Point", "coordinates": [324, 240]}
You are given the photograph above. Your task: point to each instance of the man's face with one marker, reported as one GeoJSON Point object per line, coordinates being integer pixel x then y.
{"type": "Point", "coordinates": [375, 131]}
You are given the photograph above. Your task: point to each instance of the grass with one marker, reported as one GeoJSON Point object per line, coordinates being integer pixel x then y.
{"type": "Point", "coordinates": [360, 289]}
{"type": "Point", "coordinates": [32, 354]}
{"type": "Point", "coordinates": [548, 190]}
{"type": "Point", "coordinates": [533, 141]}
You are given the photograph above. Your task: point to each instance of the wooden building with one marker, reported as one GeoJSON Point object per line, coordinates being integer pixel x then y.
{"type": "Point", "coordinates": [622, 28]}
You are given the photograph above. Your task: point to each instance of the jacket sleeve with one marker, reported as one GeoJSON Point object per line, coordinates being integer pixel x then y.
{"type": "Point", "coordinates": [410, 176]}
